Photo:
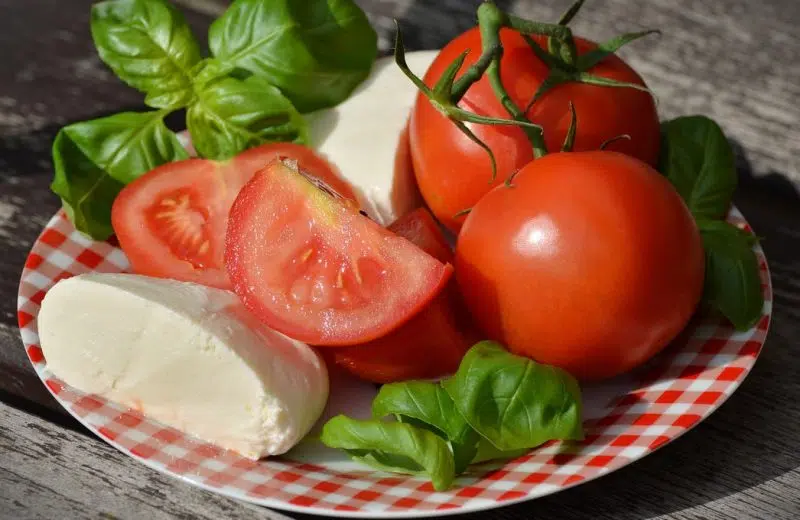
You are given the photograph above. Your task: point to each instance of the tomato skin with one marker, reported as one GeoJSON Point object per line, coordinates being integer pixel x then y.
{"type": "Point", "coordinates": [310, 266]}
{"type": "Point", "coordinates": [423, 231]}
{"type": "Point", "coordinates": [136, 221]}
{"type": "Point", "coordinates": [165, 246]}
{"type": "Point", "coordinates": [432, 343]}
{"type": "Point", "coordinates": [590, 262]}
{"type": "Point", "coordinates": [252, 160]}
{"type": "Point", "coordinates": [453, 173]}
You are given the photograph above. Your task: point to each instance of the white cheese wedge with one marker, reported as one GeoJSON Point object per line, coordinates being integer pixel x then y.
{"type": "Point", "coordinates": [363, 138]}
{"type": "Point", "coordinates": [187, 355]}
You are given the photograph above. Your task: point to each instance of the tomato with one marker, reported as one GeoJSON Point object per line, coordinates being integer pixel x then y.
{"type": "Point", "coordinates": [171, 221]}
{"type": "Point", "coordinates": [315, 269]}
{"type": "Point", "coordinates": [314, 166]}
{"type": "Point", "coordinates": [432, 343]}
{"type": "Point", "coordinates": [420, 228]}
{"type": "Point", "coordinates": [591, 262]}
{"type": "Point", "coordinates": [453, 173]}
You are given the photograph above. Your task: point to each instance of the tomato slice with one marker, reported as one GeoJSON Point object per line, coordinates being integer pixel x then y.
{"type": "Point", "coordinates": [315, 269]}
{"type": "Point", "coordinates": [171, 221]}
{"type": "Point", "coordinates": [432, 343]}
{"type": "Point", "coordinates": [314, 166]}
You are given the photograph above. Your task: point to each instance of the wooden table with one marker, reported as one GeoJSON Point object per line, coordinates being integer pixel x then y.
{"type": "Point", "coordinates": [737, 61]}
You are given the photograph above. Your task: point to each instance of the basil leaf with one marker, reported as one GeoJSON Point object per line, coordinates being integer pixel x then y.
{"type": "Point", "coordinates": [732, 282]}
{"type": "Point", "coordinates": [95, 159]}
{"type": "Point", "coordinates": [698, 160]}
{"type": "Point", "coordinates": [392, 446]}
{"type": "Point", "coordinates": [149, 46]}
{"type": "Point", "coordinates": [315, 51]}
{"type": "Point", "coordinates": [233, 114]}
{"type": "Point", "coordinates": [513, 401]}
{"type": "Point", "coordinates": [427, 405]}
{"type": "Point", "coordinates": [487, 451]}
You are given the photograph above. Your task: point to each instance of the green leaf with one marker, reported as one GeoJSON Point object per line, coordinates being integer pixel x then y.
{"type": "Point", "coordinates": [393, 446]}
{"type": "Point", "coordinates": [514, 402]}
{"type": "Point", "coordinates": [233, 114]}
{"type": "Point", "coordinates": [95, 159]}
{"type": "Point", "coordinates": [732, 283]}
{"type": "Point", "coordinates": [149, 46]}
{"type": "Point", "coordinates": [315, 51]}
{"type": "Point", "coordinates": [487, 451]}
{"type": "Point", "coordinates": [427, 405]}
{"type": "Point", "coordinates": [593, 57]}
{"type": "Point", "coordinates": [698, 160]}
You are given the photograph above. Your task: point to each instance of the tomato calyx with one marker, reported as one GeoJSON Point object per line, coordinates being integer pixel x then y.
{"type": "Point", "coordinates": [561, 58]}
{"type": "Point", "coordinates": [561, 55]}
{"type": "Point", "coordinates": [442, 98]}
{"type": "Point", "coordinates": [614, 139]}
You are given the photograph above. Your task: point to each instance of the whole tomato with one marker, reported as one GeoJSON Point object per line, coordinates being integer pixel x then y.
{"type": "Point", "coordinates": [589, 261]}
{"type": "Point", "coordinates": [453, 172]}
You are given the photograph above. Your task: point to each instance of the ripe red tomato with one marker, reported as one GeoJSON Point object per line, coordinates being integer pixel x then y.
{"type": "Point", "coordinates": [315, 269]}
{"type": "Point", "coordinates": [432, 343]}
{"type": "Point", "coordinates": [453, 173]}
{"type": "Point", "coordinates": [171, 221]}
{"type": "Point", "coordinates": [591, 262]}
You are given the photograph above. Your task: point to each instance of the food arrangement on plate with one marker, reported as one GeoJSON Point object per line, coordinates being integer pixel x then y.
{"type": "Point", "coordinates": [481, 231]}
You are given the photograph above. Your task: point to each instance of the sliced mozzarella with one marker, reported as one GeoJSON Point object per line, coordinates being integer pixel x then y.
{"type": "Point", "coordinates": [362, 138]}
{"type": "Point", "coordinates": [187, 355]}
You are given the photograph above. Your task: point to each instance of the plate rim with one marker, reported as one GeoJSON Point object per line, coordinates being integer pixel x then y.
{"type": "Point", "coordinates": [489, 504]}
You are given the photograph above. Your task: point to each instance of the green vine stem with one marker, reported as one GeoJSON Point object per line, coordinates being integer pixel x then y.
{"type": "Point", "coordinates": [440, 96]}
{"type": "Point", "coordinates": [490, 21]}
{"type": "Point", "coordinates": [561, 57]}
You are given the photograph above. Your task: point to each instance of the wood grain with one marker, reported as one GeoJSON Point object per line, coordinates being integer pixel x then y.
{"type": "Point", "coordinates": [734, 60]}
{"type": "Point", "coordinates": [50, 472]}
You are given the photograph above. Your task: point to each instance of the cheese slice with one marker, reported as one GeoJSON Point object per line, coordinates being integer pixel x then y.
{"type": "Point", "coordinates": [187, 355]}
{"type": "Point", "coordinates": [364, 138]}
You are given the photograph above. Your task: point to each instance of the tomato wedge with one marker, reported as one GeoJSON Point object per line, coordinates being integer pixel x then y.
{"type": "Point", "coordinates": [432, 343]}
{"type": "Point", "coordinates": [315, 269]}
{"type": "Point", "coordinates": [171, 221]}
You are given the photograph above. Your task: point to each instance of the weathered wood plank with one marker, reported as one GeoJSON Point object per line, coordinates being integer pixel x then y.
{"type": "Point", "coordinates": [50, 472]}
{"type": "Point", "coordinates": [735, 60]}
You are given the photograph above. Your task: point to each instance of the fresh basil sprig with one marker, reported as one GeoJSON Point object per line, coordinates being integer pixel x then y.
{"type": "Point", "coordinates": [395, 447]}
{"type": "Point", "coordinates": [698, 160]}
{"type": "Point", "coordinates": [497, 406]}
{"type": "Point", "coordinates": [316, 52]}
{"type": "Point", "coordinates": [273, 57]}
{"type": "Point", "coordinates": [95, 159]}
{"type": "Point", "coordinates": [514, 402]}
{"type": "Point", "coordinates": [732, 284]}
{"type": "Point", "coordinates": [428, 405]}
{"type": "Point", "coordinates": [232, 114]}
{"type": "Point", "coordinates": [149, 46]}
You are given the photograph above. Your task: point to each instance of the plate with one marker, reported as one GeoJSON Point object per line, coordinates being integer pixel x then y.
{"type": "Point", "coordinates": [625, 419]}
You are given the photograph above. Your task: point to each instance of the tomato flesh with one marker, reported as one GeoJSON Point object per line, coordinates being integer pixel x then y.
{"type": "Point", "coordinates": [590, 262]}
{"type": "Point", "coordinates": [315, 269]}
{"type": "Point", "coordinates": [171, 221]}
{"type": "Point", "coordinates": [432, 343]}
{"type": "Point", "coordinates": [453, 172]}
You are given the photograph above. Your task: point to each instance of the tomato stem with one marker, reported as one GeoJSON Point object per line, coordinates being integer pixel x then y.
{"type": "Point", "coordinates": [441, 95]}
{"type": "Point", "coordinates": [490, 21]}
{"type": "Point", "coordinates": [570, 13]}
{"type": "Point", "coordinates": [561, 57]}
{"type": "Point", "coordinates": [607, 142]}
{"type": "Point", "coordinates": [474, 73]}
{"type": "Point", "coordinates": [569, 140]}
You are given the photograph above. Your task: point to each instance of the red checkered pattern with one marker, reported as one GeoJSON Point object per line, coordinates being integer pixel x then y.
{"type": "Point", "coordinates": [625, 419]}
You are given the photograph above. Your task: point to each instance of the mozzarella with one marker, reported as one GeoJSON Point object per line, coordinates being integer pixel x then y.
{"type": "Point", "coordinates": [187, 355]}
{"type": "Point", "coordinates": [362, 138]}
